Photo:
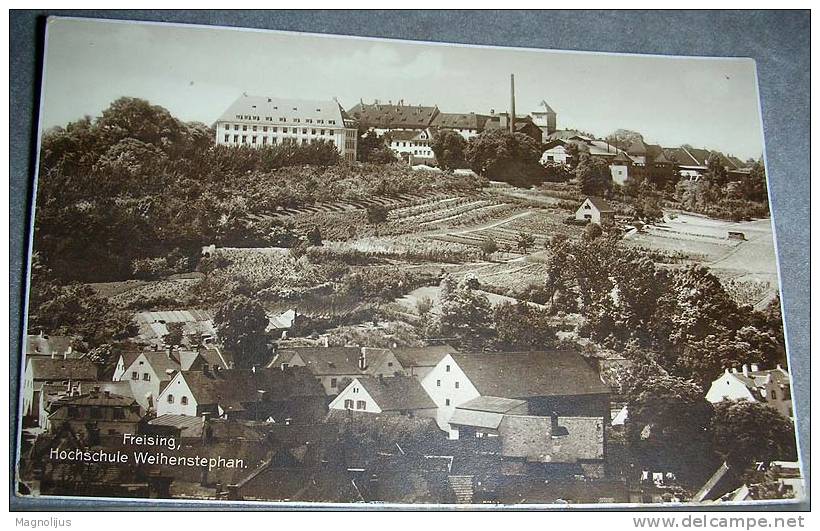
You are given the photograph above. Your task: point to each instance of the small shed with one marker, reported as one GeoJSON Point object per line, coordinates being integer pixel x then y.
{"type": "Point", "coordinates": [595, 210]}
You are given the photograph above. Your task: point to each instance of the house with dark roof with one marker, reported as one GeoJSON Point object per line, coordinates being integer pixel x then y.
{"type": "Point", "coordinates": [467, 125]}
{"type": "Point", "coordinates": [41, 371]}
{"type": "Point", "coordinates": [543, 406]}
{"type": "Point", "coordinates": [275, 395]}
{"type": "Point", "coordinates": [98, 413]}
{"type": "Point", "coordinates": [595, 210]}
{"type": "Point", "coordinates": [418, 361]}
{"type": "Point", "coordinates": [769, 386]}
{"type": "Point", "coordinates": [51, 346]}
{"type": "Point", "coordinates": [335, 366]}
{"type": "Point", "coordinates": [52, 392]}
{"type": "Point", "coordinates": [383, 117]}
{"type": "Point", "coordinates": [398, 395]}
{"type": "Point", "coordinates": [148, 371]}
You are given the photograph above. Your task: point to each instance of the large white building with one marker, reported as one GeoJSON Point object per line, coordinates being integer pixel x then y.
{"type": "Point", "coordinates": [259, 121]}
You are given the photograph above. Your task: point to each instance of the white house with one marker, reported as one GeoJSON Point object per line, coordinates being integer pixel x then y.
{"type": "Point", "coordinates": [556, 151]}
{"type": "Point", "coordinates": [259, 121]}
{"type": "Point", "coordinates": [770, 386]}
{"type": "Point", "coordinates": [595, 210]}
{"type": "Point", "coordinates": [417, 144]}
{"type": "Point", "coordinates": [401, 395]}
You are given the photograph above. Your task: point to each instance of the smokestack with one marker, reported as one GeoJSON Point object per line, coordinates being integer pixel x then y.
{"type": "Point", "coordinates": [512, 103]}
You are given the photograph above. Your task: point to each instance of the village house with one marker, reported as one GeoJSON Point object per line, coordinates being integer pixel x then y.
{"type": "Point", "coordinates": [548, 410]}
{"type": "Point", "coordinates": [413, 145]}
{"type": "Point", "coordinates": [418, 361]}
{"type": "Point", "coordinates": [467, 125]}
{"type": "Point", "coordinates": [545, 119]}
{"type": "Point", "coordinates": [595, 210]}
{"type": "Point", "coordinates": [334, 367]}
{"type": "Point", "coordinates": [260, 121]}
{"type": "Point", "coordinates": [55, 391]}
{"type": "Point", "coordinates": [50, 346]}
{"type": "Point", "coordinates": [96, 414]}
{"type": "Point", "coordinates": [398, 395]}
{"type": "Point", "coordinates": [769, 386]}
{"type": "Point", "coordinates": [41, 371]}
{"type": "Point", "coordinates": [148, 371]}
{"type": "Point", "coordinates": [274, 395]}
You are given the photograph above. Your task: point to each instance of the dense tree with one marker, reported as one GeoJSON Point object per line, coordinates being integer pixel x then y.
{"type": "Point", "coordinates": [488, 247]}
{"type": "Point", "coordinates": [753, 185]}
{"type": "Point", "coordinates": [510, 157]}
{"type": "Point", "coordinates": [465, 314]}
{"type": "Point", "coordinates": [667, 428]}
{"type": "Point", "coordinates": [594, 176]}
{"type": "Point", "coordinates": [241, 323]}
{"type": "Point", "coordinates": [373, 148]}
{"type": "Point", "coordinates": [747, 432]}
{"type": "Point", "coordinates": [522, 326]}
{"type": "Point", "coordinates": [174, 335]}
{"type": "Point", "coordinates": [449, 147]}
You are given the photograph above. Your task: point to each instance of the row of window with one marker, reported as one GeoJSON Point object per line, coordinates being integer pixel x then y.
{"type": "Point", "coordinates": [284, 119]}
{"type": "Point", "coordinates": [360, 404]}
{"type": "Point", "coordinates": [293, 130]}
{"type": "Point", "coordinates": [145, 376]}
{"type": "Point", "coordinates": [438, 384]}
{"type": "Point", "coordinates": [243, 139]}
{"type": "Point", "coordinates": [183, 400]}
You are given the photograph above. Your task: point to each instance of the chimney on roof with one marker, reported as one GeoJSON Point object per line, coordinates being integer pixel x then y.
{"type": "Point", "coordinates": [745, 369]}
{"type": "Point", "coordinates": [363, 359]}
{"type": "Point", "coordinates": [755, 367]}
{"type": "Point", "coordinates": [512, 103]}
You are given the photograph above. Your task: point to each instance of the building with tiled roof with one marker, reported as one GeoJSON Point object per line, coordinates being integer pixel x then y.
{"type": "Point", "coordinates": [97, 413]}
{"type": "Point", "coordinates": [467, 125]}
{"type": "Point", "coordinates": [414, 145]}
{"type": "Point", "coordinates": [595, 210]}
{"type": "Point", "coordinates": [42, 371]}
{"type": "Point", "coordinates": [260, 121]}
{"type": "Point", "coordinates": [383, 117]}
{"type": "Point", "coordinates": [418, 361]}
{"type": "Point", "coordinates": [51, 346]}
{"type": "Point", "coordinates": [148, 371]}
{"type": "Point", "coordinates": [769, 386]}
{"type": "Point", "coordinates": [256, 394]}
{"type": "Point", "coordinates": [396, 395]}
{"type": "Point", "coordinates": [332, 365]}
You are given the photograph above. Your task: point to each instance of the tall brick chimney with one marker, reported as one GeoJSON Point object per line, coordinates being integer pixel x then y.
{"type": "Point", "coordinates": [512, 103]}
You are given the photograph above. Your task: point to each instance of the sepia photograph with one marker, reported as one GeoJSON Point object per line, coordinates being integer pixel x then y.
{"type": "Point", "coordinates": [333, 271]}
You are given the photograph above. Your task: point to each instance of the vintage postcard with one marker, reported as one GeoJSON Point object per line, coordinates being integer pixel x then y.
{"type": "Point", "coordinates": [311, 269]}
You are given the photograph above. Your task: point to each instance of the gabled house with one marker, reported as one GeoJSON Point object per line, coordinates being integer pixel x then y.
{"type": "Point", "coordinates": [418, 361]}
{"type": "Point", "coordinates": [41, 371]}
{"type": "Point", "coordinates": [399, 395]}
{"type": "Point", "coordinates": [275, 395]}
{"type": "Point", "coordinates": [467, 125]}
{"type": "Point", "coordinates": [414, 145]}
{"type": "Point", "coordinates": [382, 117]}
{"type": "Point", "coordinates": [770, 386]}
{"type": "Point", "coordinates": [56, 391]}
{"type": "Point", "coordinates": [335, 366]}
{"type": "Point", "coordinates": [96, 414]}
{"type": "Point", "coordinates": [50, 346]}
{"type": "Point", "coordinates": [148, 371]}
{"type": "Point", "coordinates": [595, 210]}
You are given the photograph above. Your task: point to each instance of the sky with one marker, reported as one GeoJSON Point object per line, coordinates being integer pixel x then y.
{"type": "Point", "coordinates": [197, 72]}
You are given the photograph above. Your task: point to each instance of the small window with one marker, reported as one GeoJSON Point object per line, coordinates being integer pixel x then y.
{"type": "Point", "coordinates": [170, 399]}
{"type": "Point", "coordinates": [447, 368]}
{"type": "Point", "coordinates": [456, 385]}
{"type": "Point", "coordinates": [348, 404]}
{"type": "Point", "coordinates": [361, 404]}
{"type": "Point", "coordinates": [146, 377]}
{"type": "Point", "coordinates": [118, 413]}
{"type": "Point", "coordinates": [184, 400]}
{"type": "Point", "coordinates": [135, 375]}
{"type": "Point", "coordinates": [333, 382]}
{"type": "Point", "coordinates": [438, 383]}
{"type": "Point", "coordinates": [446, 401]}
